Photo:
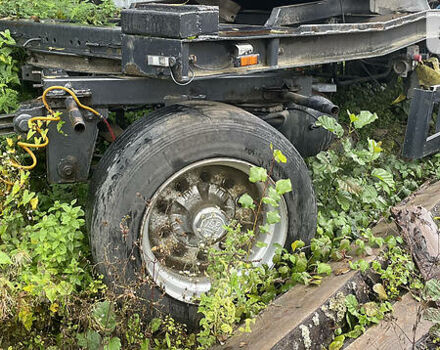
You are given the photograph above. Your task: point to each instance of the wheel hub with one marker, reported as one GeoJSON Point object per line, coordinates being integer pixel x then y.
{"type": "Point", "coordinates": [187, 217]}
{"type": "Point", "coordinates": [209, 224]}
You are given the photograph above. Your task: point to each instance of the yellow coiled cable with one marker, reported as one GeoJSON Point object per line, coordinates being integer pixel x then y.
{"type": "Point", "coordinates": [33, 124]}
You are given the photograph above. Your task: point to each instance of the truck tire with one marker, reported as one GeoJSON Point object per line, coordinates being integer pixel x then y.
{"type": "Point", "coordinates": [300, 130]}
{"type": "Point", "coordinates": [167, 186]}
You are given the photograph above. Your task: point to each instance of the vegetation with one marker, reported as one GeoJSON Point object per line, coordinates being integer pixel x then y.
{"type": "Point", "coordinates": [79, 11]}
{"type": "Point", "coordinates": [50, 296]}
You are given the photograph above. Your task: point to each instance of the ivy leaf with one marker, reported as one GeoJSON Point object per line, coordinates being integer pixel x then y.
{"type": "Point", "coordinates": [384, 176]}
{"type": "Point", "coordinates": [380, 290]}
{"type": "Point", "coordinates": [369, 195]}
{"type": "Point", "coordinates": [331, 125]}
{"type": "Point", "coordinates": [283, 186]}
{"type": "Point", "coordinates": [273, 217]}
{"type": "Point", "coordinates": [279, 156]}
{"type": "Point", "coordinates": [432, 314]}
{"type": "Point", "coordinates": [324, 269]}
{"type": "Point", "coordinates": [5, 259]}
{"type": "Point", "coordinates": [246, 201]}
{"type": "Point", "coordinates": [264, 228]}
{"type": "Point", "coordinates": [273, 198]}
{"type": "Point", "coordinates": [343, 200]}
{"type": "Point", "coordinates": [433, 289]}
{"type": "Point", "coordinates": [257, 174]}
{"type": "Point", "coordinates": [364, 118]}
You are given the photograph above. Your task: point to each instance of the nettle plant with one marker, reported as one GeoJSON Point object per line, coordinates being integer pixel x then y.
{"type": "Point", "coordinates": [42, 252]}
{"type": "Point", "coordinates": [8, 74]}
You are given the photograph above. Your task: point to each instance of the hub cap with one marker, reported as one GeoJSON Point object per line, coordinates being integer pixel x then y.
{"type": "Point", "coordinates": [188, 214]}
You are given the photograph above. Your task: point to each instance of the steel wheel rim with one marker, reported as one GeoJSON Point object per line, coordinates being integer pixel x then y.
{"type": "Point", "coordinates": [186, 214]}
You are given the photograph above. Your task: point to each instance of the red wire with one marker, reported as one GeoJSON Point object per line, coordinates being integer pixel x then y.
{"type": "Point", "coordinates": [109, 128]}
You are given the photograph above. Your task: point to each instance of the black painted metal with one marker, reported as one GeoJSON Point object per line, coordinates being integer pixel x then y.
{"type": "Point", "coordinates": [78, 47]}
{"type": "Point", "coordinates": [170, 21]}
{"type": "Point", "coordinates": [114, 91]}
{"type": "Point", "coordinates": [69, 154]}
{"type": "Point", "coordinates": [6, 124]}
{"type": "Point", "coordinates": [418, 140]}
{"type": "Point", "coordinates": [309, 12]}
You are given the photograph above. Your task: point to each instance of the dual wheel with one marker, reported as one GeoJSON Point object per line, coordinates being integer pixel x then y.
{"type": "Point", "coordinates": [166, 188]}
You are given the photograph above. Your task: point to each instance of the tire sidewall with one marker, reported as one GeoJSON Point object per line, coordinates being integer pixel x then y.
{"type": "Point", "coordinates": [155, 150]}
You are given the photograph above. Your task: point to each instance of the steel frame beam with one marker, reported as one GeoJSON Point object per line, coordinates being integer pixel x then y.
{"type": "Point", "coordinates": [303, 46]}
{"type": "Point", "coordinates": [117, 91]}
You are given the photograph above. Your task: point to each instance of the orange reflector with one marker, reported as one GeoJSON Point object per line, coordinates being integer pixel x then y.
{"type": "Point", "coordinates": [249, 60]}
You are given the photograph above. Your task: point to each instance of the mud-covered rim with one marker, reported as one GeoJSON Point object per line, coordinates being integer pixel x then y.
{"type": "Point", "coordinates": [187, 214]}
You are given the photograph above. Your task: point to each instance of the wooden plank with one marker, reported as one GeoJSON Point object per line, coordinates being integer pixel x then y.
{"type": "Point", "coordinates": [300, 311]}
{"type": "Point", "coordinates": [421, 234]}
{"type": "Point", "coordinates": [396, 332]}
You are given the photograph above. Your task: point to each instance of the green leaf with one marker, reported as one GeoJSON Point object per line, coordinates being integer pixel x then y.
{"type": "Point", "coordinates": [283, 186]}
{"type": "Point", "coordinates": [384, 176]}
{"type": "Point", "coordinates": [273, 217]}
{"type": "Point", "coordinates": [90, 340]}
{"type": "Point", "coordinates": [145, 345]}
{"type": "Point", "coordinates": [260, 244]}
{"type": "Point", "coordinates": [371, 309]}
{"type": "Point", "coordinates": [364, 118]}
{"type": "Point", "coordinates": [273, 198]}
{"type": "Point", "coordinates": [345, 244]}
{"type": "Point", "coordinates": [380, 290]}
{"type": "Point", "coordinates": [432, 314]}
{"type": "Point", "coordinates": [155, 324]}
{"type": "Point", "coordinates": [113, 344]}
{"type": "Point", "coordinates": [356, 332]}
{"type": "Point", "coordinates": [226, 329]}
{"type": "Point", "coordinates": [60, 125]}
{"type": "Point", "coordinates": [5, 259]}
{"type": "Point", "coordinates": [297, 245]}
{"type": "Point", "coordinates": [279, 156]}
{"type": "Point", "coordinates": [257, 174]}
{"type": "Point", "coordinates": [363, 265]}
{"type": "Point", "coordinates": [246, 201]}
{"type": "Point", "coordinates": [337, 343]}
{"type": "Point", "coordinates": [104, 315]}
{"type": "Point", "coordinates": [343, 200]}
{"type": "Point", "coordinates": [369, 194]}
{"type": "Point", "coordinates": [331, 125]}
{"type": "Point", "coordinates": [324, 269]}
{"type": "Point", "coordinates": [352, 304]}
{"type": "Point", "coordinates": [432, 289]}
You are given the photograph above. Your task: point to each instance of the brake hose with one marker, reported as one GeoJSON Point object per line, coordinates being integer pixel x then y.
{"type": "Point", "coordinates": [34, 125]}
